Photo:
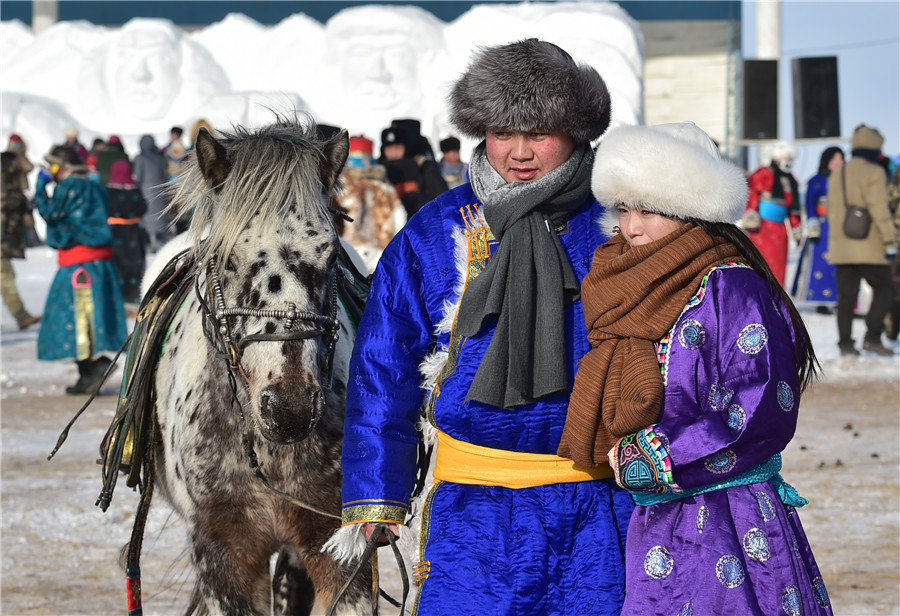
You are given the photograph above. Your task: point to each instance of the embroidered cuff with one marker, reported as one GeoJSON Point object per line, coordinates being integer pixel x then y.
{"type": "Point", "coordinates": [389, 512]}
{"type": "Point", "coordinates": [644, 464]}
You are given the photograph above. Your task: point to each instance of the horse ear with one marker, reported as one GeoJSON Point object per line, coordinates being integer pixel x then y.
{"type": "Point", "coordinates": [335, 152]}
{"type": "Point", "coordinates": [213, 159]}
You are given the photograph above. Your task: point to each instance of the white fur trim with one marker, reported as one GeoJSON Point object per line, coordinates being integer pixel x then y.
{"type": "Point", "coordinates": [346, 545]}
{"type": "Point", "coordinates": [609, 219]}
{"type": "Point", "coordinates": [431, 367]}
{"type": "Point", "coordinates": [668, 171]}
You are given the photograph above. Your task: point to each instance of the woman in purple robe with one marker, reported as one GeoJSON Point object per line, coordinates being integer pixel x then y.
{"type": "Point", "coordinates": [692, 386]}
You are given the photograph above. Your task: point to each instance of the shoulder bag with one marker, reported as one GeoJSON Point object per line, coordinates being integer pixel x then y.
{"type": "Point", "coordinates": [857, 220]}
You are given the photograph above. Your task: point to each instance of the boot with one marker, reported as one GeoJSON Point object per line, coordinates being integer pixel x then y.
{"type": "Point", "coordinates": [23, 319]}
{"type": "Point", "coordinates": [847, 349]}
{"type": "Point", "coordinates": [90, 378]}
{"type": "Point", "coordinates": [84, 371]}
{"type": "Point", "coordinates": [877, 348]}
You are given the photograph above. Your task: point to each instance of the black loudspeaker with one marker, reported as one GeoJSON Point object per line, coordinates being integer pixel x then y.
{"type": "Point", "coordinates": [816, 111]}
{"type": "Point", "coordinates": [760, 98]}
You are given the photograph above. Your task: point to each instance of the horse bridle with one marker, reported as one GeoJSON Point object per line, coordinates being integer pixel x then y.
{"type": "Point", "coordinates": [324, 325]}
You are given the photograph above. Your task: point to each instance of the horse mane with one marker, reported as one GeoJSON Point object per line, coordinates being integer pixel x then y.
{"type": "Point", "coordinates": [274, 174]}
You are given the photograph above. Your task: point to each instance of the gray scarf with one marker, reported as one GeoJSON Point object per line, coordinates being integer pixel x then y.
{"type": "Point", "coordinates": [529, 275]}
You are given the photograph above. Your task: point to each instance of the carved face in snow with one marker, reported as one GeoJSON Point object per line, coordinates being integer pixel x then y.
{"type": "Point", "coordinates": [143, 72]}
{"type": "Point", "coordinates": [380, 55]}
{"type": "Point", "coordinates": [381, 70]}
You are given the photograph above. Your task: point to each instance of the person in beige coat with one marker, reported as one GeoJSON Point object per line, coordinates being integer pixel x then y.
{"type": "Point", "coordinates": [862, 259]}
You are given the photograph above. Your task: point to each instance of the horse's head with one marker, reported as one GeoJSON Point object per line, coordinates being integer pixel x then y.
{"type": "Point", "coordinates": [269, 250]}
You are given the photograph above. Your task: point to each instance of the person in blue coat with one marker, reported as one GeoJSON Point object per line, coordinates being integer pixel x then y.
{"type": "Point", "coordinates": [815, 282]}
{"type": "Point", "coordinates": [84, 314]}
{"type": "Point", "coordinates": [473, 332]}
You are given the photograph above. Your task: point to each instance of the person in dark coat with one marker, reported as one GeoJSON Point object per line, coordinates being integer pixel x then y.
{"type": "Point", "coordinates": [431, 182]}
{"type": "Point", "coordinates": [454, 170]}
{"type": "Point", "coordinates": [13, 210]}
{"type": "Point", "coordinates": [416, 179]}
{"type": "Point", "coordinates": [126, 208]}
{"type": "Point", "coordinates": [105, 158]}
{"type": "Point", "coordinates": [151, 173]}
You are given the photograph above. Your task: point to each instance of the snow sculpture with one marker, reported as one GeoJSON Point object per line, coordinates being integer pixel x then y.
{"type": "Point", "coordinates": [136, 78]}
{"type": "Point", "coordinates": [382, 63]}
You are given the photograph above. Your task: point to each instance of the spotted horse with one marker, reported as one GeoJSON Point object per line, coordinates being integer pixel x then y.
{"type": "Point", "coordinates": [233, 404]}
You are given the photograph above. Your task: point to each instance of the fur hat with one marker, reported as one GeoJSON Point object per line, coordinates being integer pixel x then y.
{"type": "Point", "coordinates": [390, 136]}
{"type": "Point", "coordinates": [672, 169]}
{"type": "Point", "coordinates": [530, 85]}
{"type": "Point", "coordinates": [866, 138]}
{"type": "Point", "coordinates": [64, 155]}
{"type": "Point", "coordinates": [450, 144]}
{"type": "Point", "coordinates": [778, 152]}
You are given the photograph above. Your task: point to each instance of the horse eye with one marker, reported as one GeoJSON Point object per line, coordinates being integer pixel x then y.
{"type": "Point", "coordinates": [230, 266]}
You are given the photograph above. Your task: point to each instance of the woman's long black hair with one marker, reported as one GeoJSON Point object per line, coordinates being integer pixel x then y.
{"type": "Point", "coordinates": [826, 157]}
{"type": "Point", "coordinates": [807, 364]}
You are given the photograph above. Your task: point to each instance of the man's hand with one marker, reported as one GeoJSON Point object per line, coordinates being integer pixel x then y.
{"type": "Point", "coordinates": [370, 527]}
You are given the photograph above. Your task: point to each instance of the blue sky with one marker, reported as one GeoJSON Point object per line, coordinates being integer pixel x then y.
{"type": "Point", "coordinates": [865, 37]}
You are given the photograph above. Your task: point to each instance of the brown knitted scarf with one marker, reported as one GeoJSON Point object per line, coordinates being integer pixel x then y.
{"type": "Point", "coordinates": [631, 298]}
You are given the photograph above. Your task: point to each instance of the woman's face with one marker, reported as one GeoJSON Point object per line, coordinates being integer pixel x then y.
{"type": "Point", "coordinates": [525, 157]}
{"type": "Point", "coordinates": [836, 162]}
{"type": "Point", "coordinates": [641, 227]}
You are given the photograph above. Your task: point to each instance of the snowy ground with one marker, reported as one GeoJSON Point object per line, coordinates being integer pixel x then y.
{"type": "Point", "coordinates": [60, 552]}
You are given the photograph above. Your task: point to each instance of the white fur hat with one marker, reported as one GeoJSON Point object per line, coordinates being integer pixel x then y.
{"type": "Point", "coordinates": [779, 151]}
{"type": "Point", "coordinates": [672, 169]}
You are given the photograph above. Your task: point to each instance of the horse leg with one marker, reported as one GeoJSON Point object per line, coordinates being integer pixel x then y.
{"type": "Point", "coordinates": [328, 578]}
{"type": "Point", "coordinates": [231, 559]}
{"type": "Point", "coordinates": [292, 589]}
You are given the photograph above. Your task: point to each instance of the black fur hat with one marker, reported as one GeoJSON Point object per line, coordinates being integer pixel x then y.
{"type": "Point", "coordinates": [390, 136]}
{"type": "Point", "coordinates": [530, 85]}
{"type": "Point", "coordinates": [450, 144]}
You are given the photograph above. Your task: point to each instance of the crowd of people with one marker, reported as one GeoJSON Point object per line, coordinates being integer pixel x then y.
{"type": "Point", "coordinates": [129, 210]}
{"type": "Point", "coordinates": [633, 383]}
{"type": "Point", "coordinates": [103, 212]}
{"type": "Point", "coordinates": [831, 263]}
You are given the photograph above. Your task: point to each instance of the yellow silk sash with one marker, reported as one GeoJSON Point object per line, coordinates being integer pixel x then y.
{"type": "Point", "coordinates": [461, 462]}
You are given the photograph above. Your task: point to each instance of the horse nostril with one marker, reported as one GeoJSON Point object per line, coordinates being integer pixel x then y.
{"type": "Point", "coordinates": [268, 400]}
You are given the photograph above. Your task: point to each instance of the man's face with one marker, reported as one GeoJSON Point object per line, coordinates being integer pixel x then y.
{"type": "Point", "coordinates": [525, 157]}
{"type": "Point", "coordinates": [394, 151]}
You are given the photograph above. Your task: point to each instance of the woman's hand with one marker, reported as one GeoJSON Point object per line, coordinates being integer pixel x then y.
{"type": "Point", "coordinates": [613, 457]}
